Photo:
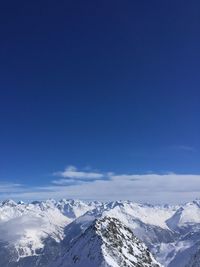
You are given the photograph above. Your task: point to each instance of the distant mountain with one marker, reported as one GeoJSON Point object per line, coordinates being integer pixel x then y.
{"type": "Point", "coordinates": [42, 232]}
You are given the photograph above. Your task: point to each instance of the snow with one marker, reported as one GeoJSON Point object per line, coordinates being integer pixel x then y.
{"type": "Point", "coordinates": [154, 215]}
{"type": "Point", "coordinates": [107, 242]}
{"type": "Point", "coordinates": [75, 208]}
{"type": "Point", "coordinates": [171, 232]}
{"type": "Point", "coordinates": [26, 226]}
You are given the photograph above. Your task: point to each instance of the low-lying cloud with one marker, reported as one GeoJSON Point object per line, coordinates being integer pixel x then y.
{"type": "Point", "coordinates": [152, 188]}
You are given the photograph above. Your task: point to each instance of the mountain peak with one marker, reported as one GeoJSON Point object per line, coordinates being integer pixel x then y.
{"type": "Point", "coordinates": [9, 202]}
{"type": "Point", "coordinates": [107, 242]}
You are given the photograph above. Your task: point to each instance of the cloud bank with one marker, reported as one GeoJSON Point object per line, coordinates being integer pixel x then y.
{"type": "Point", "coordinates": [92, 185]}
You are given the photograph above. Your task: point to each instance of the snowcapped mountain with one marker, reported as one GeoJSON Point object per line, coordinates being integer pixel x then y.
{"type": "Point", "coordinates": [75, 208]}
{"type": "Point", "coordinates": [38, 233]}
{"type": "Point", "coordinates": [107, 242]}
{"type": "Point", "coordinates": [27, 230]}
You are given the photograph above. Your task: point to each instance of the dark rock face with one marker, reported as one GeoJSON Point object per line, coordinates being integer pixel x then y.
{"type": "Point", "coordinates": [195, 259]}
{"type": "Point", "coordinates": [107, 242]}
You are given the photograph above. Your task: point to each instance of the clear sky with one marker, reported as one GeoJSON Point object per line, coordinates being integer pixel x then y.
{"type": "Point", "coordinates": [100, 95]}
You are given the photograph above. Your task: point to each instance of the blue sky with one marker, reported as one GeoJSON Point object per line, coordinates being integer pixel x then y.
{"type": "Point", "coordinates": [100, 90]}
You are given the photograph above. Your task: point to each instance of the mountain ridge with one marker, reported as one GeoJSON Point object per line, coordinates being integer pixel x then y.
{"type": "Point", "coordinates": [31, 230]}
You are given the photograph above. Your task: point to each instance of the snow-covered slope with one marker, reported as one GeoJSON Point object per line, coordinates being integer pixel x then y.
{"type": "Point", "coordinates": [27, 229]}
{"type": "Point", "coordinates": [25, 226]}
{"type": "Point", "coordinates": [34, 234]}
{"type": "Point", "coordinates": [75, 208]}
{"type": "Point", "coordinates": [107, 243]}
{"type": "Point", "coordinates": [186, 215]}
{"type": "Point", "coordinates": [172, 247]}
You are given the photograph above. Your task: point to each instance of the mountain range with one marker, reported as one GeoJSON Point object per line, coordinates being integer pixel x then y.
{"type": "Point", "coordinates": [69, 233]}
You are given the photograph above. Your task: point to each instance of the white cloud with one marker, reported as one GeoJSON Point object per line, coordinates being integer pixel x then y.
{"type": "Point", "coordinates": [185, 148]}
{"type": "Point", "coordinates": [10, 187]}
{"type": "Point", "coordinates": [153, 188]}
{"type": "Point", "coordinates": [63, 181]}
{"type": "Point", "coordinates": [71, 173]}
